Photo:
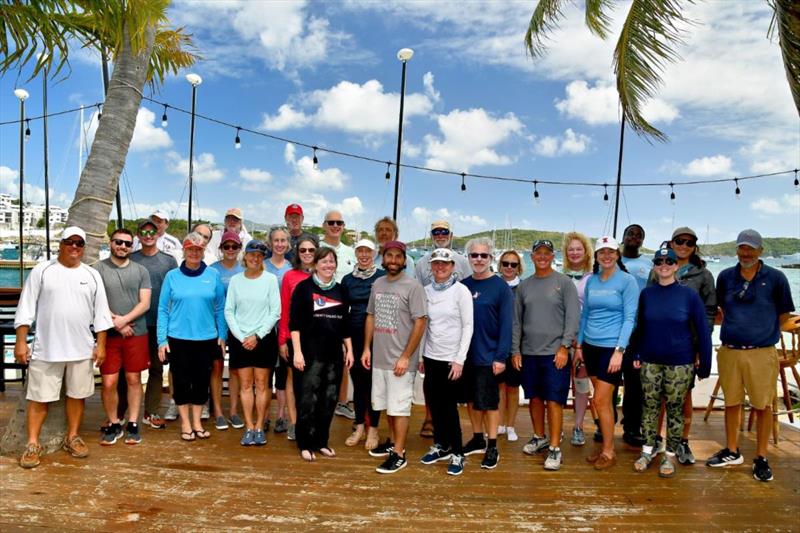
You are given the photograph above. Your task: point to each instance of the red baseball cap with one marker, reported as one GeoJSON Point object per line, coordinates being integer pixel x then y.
{"type": "Point", "coordinates": [394, 244]}
{"type": "Point", "coordinates": [293, 209]}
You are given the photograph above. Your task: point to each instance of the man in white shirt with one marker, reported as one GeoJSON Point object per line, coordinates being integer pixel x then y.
{"type": "Point", "coordinates": [66, 298]}
{"type": "Point", "coordinates": [333, 226]}
{"type": "Point", "coordinates": [234, 222]}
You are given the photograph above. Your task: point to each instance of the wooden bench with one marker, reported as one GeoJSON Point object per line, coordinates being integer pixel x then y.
{"type": "Point", "coordinates": [9, 299]}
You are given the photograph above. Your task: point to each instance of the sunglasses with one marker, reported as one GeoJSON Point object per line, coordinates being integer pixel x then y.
{"type": "Point", "coordinates": [659, 262]}
{"type": "Point", "coordinates": [440, 232]}
{"type": "Point", "coordinates": [148, 232]}
{"type": "Point", "coordinates": [77, 243]}
{"type": "Point", "coordinates": [688, 242]}
{"type": "Point", "coordinates": [482, 255]}
{"type": "Point", "coordinates": [335, 222]}
{"type": "Point", "coordinates": [306, 250]}
{"type": "Point", "coordinates": [121, 242]}
{"type": "Point", "coordinates": [509, 264]}
{"type": "Point", "coordinates": [229, 247]}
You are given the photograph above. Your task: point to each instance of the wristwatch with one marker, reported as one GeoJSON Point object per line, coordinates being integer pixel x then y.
{"type": "Point", "coordinates": [620, 349]}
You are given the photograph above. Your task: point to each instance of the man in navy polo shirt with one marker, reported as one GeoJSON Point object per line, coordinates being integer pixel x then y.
{"type": "Point", "coordinates": [755, 300]}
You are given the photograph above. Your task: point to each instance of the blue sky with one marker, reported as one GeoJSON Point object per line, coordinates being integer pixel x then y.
{"type": "Point", "coordinates": [327, 74]}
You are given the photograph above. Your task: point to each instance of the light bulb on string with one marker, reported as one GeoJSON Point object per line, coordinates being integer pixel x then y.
{"type": "Point", "coordinates": [27, 130]}
{"type": "Point", "coordinates": [237, 143]}
{"type": "Point", "coordinates": [738, 190]}
{"type": "Point", "coordinates": [463, 185]}
{"type": "Point", "coordinates": [314, 158]}
{"type": "Point", "coordinates": [672, 193]}
{"type": "Point", "coordinates": [164, 117]}
{"type": "Point", "coordinates": [99, 112]}
{"type": "Point", "coordinates": [388, 174]}
{"type": "Point", "coordinates": [535, 191]}
{"type": "Point", "coordinates": [605, 193]}
{"type": "Point", "coordinates": [796, 181]}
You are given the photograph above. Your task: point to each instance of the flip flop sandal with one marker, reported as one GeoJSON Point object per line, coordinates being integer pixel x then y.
{"type": "Point", "coordinates": [202, 433]}
{"type": "Point", "coordinates": [307, 455]}
{"type": "Point", "coordinates": [188, 437]}
{"type": "Point", "coordinates": [327, 452]}
{"type": "Point", "coordinates": [427, 430]}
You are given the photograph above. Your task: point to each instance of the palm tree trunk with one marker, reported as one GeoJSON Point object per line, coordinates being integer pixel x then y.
{"type": "Point", "coordinates": [92, 204]}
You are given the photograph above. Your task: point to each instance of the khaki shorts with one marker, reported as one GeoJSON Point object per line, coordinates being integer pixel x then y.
{"type": "Point", "coordinates": [44, 380]}
{"type": "Point", "coordinates": [391, 393]}
{"type": "Point", "coordinates": [753, 371]}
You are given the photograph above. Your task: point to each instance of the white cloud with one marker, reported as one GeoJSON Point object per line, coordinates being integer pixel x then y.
{"type": "Point", "coordinates": [427, 82]}
{"type": "Point", "coordinates": [146, 135]}
{"type": "Point", "coordinates": [570, 143]}
{"type": "Point", "coordinates": [175, 210]}
{"type": "Point", "coordinates": [461, 223]}
{"type": "Point", "coordinates": [9, 184]}
{"type": "Point", "coordinates": [599, 104]}
{"type": "Point", "coordinates": [205, 168]}
{"type": "Point", "coordinates": [470, 138]}
{"type": "Point", "coordinates": [255, 175]}
{"type": "Point", "coordinates": [788, 204]}
{"type": "Point", "coordinates": [352, 107]}
{"type": "Point", "coordinates": [306, 177]}
{"type": "Point", "coordinates": [708, 166]}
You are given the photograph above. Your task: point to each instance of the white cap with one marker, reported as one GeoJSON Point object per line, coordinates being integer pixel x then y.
{"type": "Point", "coordinates": [606, 242]}
{"type": "Point", "coordinates": [366, 243]}
{"type": "Point", "coordinates": [72, 231]}
{"type": "Point", "coordinates": [444, 255]}
{"type": "Point", "coordinates": [160, 213]}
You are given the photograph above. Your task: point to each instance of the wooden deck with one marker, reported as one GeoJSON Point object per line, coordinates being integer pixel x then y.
{"type": "Point", "coordinates": [168, 485]}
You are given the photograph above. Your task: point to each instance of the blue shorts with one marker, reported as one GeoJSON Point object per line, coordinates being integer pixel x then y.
{"type": "Point", "coordinates": [596, 359]}
{"type": "Point", "coordinates": [541, 379]}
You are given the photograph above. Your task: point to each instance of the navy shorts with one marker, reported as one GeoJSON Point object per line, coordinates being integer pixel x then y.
{"type": "Point", "coordinates": [541, 379]}
{"type": "Point", "coordinates": [264, 355]}
{"type": "Point", "coordinates": [510, 376]}
{"type": "Point", "coordinates": [480, 388]}
{"type": "Point", "coordinates": [596, 359]}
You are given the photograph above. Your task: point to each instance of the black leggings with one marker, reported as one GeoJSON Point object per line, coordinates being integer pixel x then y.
{"type": "Point", "coordinates": [190, 364]}
{"type": "Point", "coordinates": [442, 394]}
{"type": "Point", "coordinates": [316, 392]}
{"type": "Point", "coordinates": [362, 384]}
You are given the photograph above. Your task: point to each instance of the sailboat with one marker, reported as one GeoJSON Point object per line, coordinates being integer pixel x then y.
{"type": "Point", "coordinates": [710, 258]}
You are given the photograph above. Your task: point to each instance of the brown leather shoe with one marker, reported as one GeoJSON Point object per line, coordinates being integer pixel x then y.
{"type": "Point", "coordinates": [604, 462]}
{"type": "Point", "coordinates": [76, 447]}
{"type": "Point", "coordinates": [595, 455]}
{"type": "Point", "coordinates": [30, 457]}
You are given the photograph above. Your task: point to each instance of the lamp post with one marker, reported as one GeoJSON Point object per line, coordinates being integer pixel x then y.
{"type": "Point", "coordinates": [23, 95]}
{"type": "Point", "coordinates": [194, 80]}
{"type": "Point", "coordinates": [404, 55]}
{"type": "Point", "coordinates": [46, 167]}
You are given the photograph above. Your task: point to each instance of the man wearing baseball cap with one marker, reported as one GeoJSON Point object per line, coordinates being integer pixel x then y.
{"type": "Point", "coordinates": [293, 216]}
{"type": "Point", "coordinates": [755, 300]}
{"type": "Point", "coordinates": [164, 241]}
{"type": "Point", "coordinates": [66, 298]}
{"type": "Point", "coordinates": [442, 237]}
{"type": "Point", "coordinates": [234, 222]}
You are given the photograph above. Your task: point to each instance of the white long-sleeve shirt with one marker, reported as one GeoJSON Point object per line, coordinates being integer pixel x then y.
{"type": "Point", "coordinates": [449, 329]}
{"type": "Point", "coordinates": [64, 302]}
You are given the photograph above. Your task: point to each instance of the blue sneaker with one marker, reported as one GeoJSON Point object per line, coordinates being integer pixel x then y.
{"type": "Point", "coordinates": [247, 439]}
{"type": "Point", "coordinates": [111, 434]}
{"type": "Point", "coordinates": [259, 437]}
{"type": "Point", "coordinates": [436, 453]}
{"type": "Point", "coordinates": [456, 465]}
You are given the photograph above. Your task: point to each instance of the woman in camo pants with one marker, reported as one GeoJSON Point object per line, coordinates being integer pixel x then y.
{"type": "Point", "coordinates": [671, 338]}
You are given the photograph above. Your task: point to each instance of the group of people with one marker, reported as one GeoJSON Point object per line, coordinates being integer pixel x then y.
{"type": "Point", "coordinates": [312, 312]}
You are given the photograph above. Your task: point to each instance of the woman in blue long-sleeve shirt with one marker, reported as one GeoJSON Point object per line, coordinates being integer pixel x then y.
{"type": "Point", "coordinates": [671, 329]}
{"type": "Point", "coordinates": [192, 330]}
{"type": "Point", "coordinates": [609, 314]}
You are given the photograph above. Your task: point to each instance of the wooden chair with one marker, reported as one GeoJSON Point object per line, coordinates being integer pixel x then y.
{"type": "Point", "coordinates": [9, 299]}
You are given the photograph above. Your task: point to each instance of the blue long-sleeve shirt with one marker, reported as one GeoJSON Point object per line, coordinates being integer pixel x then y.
{"type": "Point", "coordinates": [670, 318]}
{"type": "Point", "coordinates": [493, 319]}
{"type": "Point", "coordinates": [192, 307]}
{"type": "Point", "coordinates": [609, 310]}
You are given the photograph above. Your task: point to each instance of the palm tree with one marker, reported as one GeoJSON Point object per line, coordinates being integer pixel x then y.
{"type": "Point", "coordinates": [647, 42]}
{"type": "Point", "coordinates": [144, 50]}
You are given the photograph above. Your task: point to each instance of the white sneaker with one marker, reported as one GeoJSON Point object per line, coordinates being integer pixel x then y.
{"type": "Point", "coordinates": [501, 430]}
{"type": "Point", "coordinates": [205, 415]}
{"type": "Point", "coordinates": [172, 411]}
{"type": "Point", "coordinates": [553, 461]}
{"type": "Point", "coordinates": [512, 434]}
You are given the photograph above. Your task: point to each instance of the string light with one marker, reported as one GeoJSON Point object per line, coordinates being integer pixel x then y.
{"type": "Point", "coordinates": [796, 181]}
{"type": "Point", "coordinates": [463, 185]}
{"type": "Point", "coordinates": [672, 193]}
{"type": "Point", "coordinates": [99, 112]}
{"type": "Point", "coordinates": [738, 190]}
{"type": "Point", "coordinates": [27, 129]}
{"type": "Point", "coordinates": [536, 191]}
{"type": "Point", "coordinates": [314, 159]}
{"type": "Point", "coordinates": [164, 117]}
{"type": "Point", "coordinates": [237, 143]}
{"type": "Point", "coordinates": [388, 174]}
{"type": "Point", "coordinates": [605, 193]}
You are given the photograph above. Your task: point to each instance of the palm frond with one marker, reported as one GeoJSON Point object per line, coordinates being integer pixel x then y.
{"type": "Point", "coordinates": [647, 43]}
{"type": "Point", "coordinates": [596, 17]}
{"type": "Point", "coordinates": [543, 21]}
{"type": "Point", "coordinates": [786, 22]}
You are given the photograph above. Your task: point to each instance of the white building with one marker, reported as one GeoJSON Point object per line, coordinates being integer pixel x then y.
{"type": "Point", "coordinates": [31, 213]}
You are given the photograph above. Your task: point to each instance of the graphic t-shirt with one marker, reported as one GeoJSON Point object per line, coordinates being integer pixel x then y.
{"type": "Point", "coordinates": [395, 305]}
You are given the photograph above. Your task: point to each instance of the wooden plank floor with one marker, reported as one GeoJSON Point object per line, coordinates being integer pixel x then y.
{"type": "Point", "coordinates": [164, 484]}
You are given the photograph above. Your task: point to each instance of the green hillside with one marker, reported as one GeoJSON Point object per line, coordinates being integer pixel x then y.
{"type": "Point", "coordinates": [775, 247]}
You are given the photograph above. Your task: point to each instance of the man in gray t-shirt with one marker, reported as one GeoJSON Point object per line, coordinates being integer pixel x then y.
{"type": "Point", "coordinates": [127, 287]}
{"type": "Point", "coordinates": [546, 320]}
{"type": "Point", "coordinates": [396, 319]}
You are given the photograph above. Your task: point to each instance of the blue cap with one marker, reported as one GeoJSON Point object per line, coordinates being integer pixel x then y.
{"type": "Point", "coordinates": [665, 253]}
{"type": "Point", "coordinates": [256, 246]}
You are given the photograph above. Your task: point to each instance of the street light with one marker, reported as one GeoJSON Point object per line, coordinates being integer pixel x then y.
{"type": "Point", "coordinates": [23, 95]}
{"type": "Point", "coordinates": [404, 55]}
{"type": "Point", "coordinates": [194, 80]}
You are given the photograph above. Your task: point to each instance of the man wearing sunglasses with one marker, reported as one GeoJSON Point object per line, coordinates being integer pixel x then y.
{"type": "Point", "coordinates": [755, 300]}
{"type": "Point", "coordinates": [442, 237]}
{"type": "Point", "coordinates": [128, 289]}
{"type": "Point", "coordinates": [333, 226]}
{"type": "Point", "coordinates": [67, 300]}
{"type": "Point", "coordinates": [164, 241]}
{"type": "Point", "coordinates": [157, 264]}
